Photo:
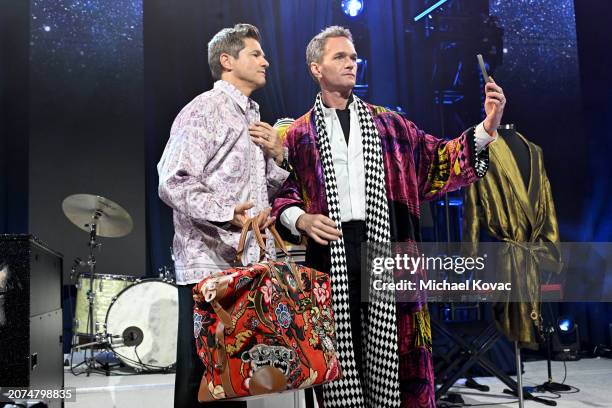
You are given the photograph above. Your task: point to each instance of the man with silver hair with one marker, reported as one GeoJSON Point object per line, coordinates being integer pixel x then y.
{"type": "Point", "coordinates": [220, 166]}
{"type": "Point", "coordinates": [359, 174]}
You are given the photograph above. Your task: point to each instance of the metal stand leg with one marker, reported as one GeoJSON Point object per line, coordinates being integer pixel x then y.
{"type": "Point", "coordinates": [473, 353]}
{"type": "Point", "coordinates": [519, 374]}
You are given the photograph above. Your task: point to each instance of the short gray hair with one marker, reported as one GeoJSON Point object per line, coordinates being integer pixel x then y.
{"type": "Point", "coordinates": [228, 41]}
{"type": "Point", "coordinates": [316, 46]}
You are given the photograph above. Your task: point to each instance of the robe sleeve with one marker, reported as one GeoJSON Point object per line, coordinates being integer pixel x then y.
{"type": "Point", "coordinates": [549, 235]}
{"type": "Point", "coordinates": [445, 165]}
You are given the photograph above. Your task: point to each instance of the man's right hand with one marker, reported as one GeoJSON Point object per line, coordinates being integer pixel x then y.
{"type": "Point", "coordinates": [318, 227]}
{"type": "Point", "coordinates": [240, 216]}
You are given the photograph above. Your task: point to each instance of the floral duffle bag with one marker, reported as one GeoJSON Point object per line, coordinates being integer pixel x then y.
{"type": "Point", "coordinates": [264, 328]}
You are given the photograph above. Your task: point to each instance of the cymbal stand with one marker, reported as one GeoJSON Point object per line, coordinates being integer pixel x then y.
{"type": "Point", "coordinates": [91, 262]}
{"type": "Point", "coordinates": [94, 338]}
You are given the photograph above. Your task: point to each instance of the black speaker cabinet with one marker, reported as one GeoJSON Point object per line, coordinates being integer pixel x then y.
{"type": "Point", "coordinates": [30, 314]}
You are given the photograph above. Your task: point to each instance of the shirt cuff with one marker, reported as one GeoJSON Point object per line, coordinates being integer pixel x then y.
{"type": "Point", "coordinates": [482, 138]}
{"type": "Point", "coordinates": [289, 218]}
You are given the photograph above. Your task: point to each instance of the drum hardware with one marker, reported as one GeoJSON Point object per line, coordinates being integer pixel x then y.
{"type": "Point", "coordinates": [78, 262]}
{"type": "Point", "coordinates": [143, 341]}
{"type": "Point", "coordinates": [98, 341]}
{"type": "Point", "coordinates": [166, 274]}
{"type": "Point", "coordinates": [119, 332]}
{"type": "Point", "coordinates": [98, 216]}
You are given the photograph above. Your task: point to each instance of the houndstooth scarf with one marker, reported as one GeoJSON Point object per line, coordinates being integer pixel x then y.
{"type": "Point", "coordinates": [379, 329]}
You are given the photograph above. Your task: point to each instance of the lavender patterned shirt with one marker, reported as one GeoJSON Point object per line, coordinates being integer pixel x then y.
{"type": "Point", "coordinates": [210, 165]}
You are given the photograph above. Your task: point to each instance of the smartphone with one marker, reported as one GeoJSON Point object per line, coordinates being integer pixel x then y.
{"type": "Point", "coordinates": [483, 70]}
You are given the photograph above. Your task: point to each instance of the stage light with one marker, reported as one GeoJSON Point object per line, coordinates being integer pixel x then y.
{"type": "Point", "coordinates": [566, 325]}
{"type": "Point", "coordinates": [565, 339]}
{"type": "Point", "coordinates": [352, 8]}
{"type": "Point", "coordinates": [430, 9]}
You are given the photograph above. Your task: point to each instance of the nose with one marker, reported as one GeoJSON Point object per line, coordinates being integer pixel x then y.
{"type": "Point", "coordinates": [265, 63]}
{"type": "Point", "coordinates": [351, 64]}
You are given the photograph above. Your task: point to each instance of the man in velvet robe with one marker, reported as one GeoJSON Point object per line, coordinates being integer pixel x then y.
{"type": "Point", "coordinates": [359, 174]}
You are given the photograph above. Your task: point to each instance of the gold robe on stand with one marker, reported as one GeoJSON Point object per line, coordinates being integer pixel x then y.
{"type": "Point", "coordinates": [523, 217]}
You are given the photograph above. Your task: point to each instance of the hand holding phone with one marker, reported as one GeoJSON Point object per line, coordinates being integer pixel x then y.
{"type": "Point", "coordinates": [495, 101]}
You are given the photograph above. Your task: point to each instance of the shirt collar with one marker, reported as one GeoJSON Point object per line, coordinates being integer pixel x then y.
{"type": "Point", "coordinates": [329, 111]}
{"type": "Point", "coordinates": [244, 102]}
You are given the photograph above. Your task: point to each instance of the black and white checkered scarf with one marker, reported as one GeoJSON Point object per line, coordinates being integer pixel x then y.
{"type": "Point", "coordinates": [379, 328]}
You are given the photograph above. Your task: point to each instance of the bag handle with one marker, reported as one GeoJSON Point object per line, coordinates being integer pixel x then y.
{"type": "Point", "coordinates": [258, 219]}
{"type": "Point", "coordinates": [254, 224]}
{"type": "Point", "coordinates": [278, 240]}
{"type": "Point", "coordinates": [241, 241]}
{"type": "Point", "coordinates": [258, 236]}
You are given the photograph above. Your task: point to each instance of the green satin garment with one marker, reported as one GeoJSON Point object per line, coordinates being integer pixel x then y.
{"type": "Point", "coordinates": [501, 205]}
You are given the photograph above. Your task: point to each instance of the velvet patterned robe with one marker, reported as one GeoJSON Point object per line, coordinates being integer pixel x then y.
{"type": "Point", "coordinates": [418, 167]}
{"type": "Point", "coordinates": [522, 213]}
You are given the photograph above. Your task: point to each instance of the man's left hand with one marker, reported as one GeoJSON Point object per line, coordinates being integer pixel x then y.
{"type": "Point", "coordinates": [266, 137]}
{"type": "Point", "coordinates": [494, 106]}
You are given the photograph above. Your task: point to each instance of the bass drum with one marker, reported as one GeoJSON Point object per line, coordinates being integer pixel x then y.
{"type": "Point", "coordinates": [142, 325]}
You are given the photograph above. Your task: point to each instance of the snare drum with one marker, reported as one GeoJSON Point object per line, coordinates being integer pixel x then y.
{"type": "Point", "coordinates": [105, 288]}
{"type": "Point", "coordinates": [142, 325]}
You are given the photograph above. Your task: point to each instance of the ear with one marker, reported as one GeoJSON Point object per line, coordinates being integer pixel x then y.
{"type": "Point", "coordinates": [226, 61]}
{"type": "Point", "coordinates": [315, 70]}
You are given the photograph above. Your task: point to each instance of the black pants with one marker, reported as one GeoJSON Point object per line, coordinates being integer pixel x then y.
{"type": "Point", "coordinates": [318, 257]}
{"type": "Point", "coordinates": [189, 368]}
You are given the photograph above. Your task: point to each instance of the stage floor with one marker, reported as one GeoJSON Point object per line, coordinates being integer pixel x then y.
{"type": "Point", "coordinates": [592, 376]}
{"type": "Point", "coordinates": [148, 390]}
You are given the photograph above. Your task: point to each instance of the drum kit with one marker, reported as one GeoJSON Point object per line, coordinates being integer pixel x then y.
{"type": "Point", "coordinates": [135, 319]}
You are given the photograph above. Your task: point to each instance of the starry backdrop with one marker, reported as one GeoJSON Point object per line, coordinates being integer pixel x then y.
{"type": "Point", "coordinates": [94, 40]}
{"type": "Point", "coordinates": [86, 115]}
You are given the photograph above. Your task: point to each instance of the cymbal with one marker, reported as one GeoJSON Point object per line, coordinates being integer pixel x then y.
{"type": "Point", "coordinates": [111, 220]}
